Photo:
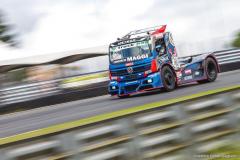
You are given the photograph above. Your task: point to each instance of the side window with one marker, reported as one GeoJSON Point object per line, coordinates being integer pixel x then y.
{"type": "Point", "coordinates": [160, 47]}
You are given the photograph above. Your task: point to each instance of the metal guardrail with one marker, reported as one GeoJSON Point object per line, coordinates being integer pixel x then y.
{"type": "Point", "coordinates": [182, 131]}
{"type": "Point", "coordinates": [36, 90]}
{"type": "Point", "coordinates": [28, 92]}
{"type": "Point", "coordinates": [43, 89]}
{"type": "Point", "coordinates": [228, 56]}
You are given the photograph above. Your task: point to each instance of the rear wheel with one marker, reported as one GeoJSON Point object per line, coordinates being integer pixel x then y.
{"type": "Point", "coordinates": [211, 70]}
{"type": "Point", "coordinates": [168, 78]}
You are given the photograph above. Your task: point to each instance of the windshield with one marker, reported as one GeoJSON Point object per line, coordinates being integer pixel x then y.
{"type": "Point", "coordinates": [130, 52]}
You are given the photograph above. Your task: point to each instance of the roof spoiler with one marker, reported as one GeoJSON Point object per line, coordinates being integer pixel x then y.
{"type": "Point", "coordinates": [151, 30]}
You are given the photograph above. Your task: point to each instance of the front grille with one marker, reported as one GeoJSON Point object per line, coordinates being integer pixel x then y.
{"type": "Point", "coordinates": [136, 69]}
{"type": "Point", "coordinates": [142, 68]}
{"type": "Point", "coordinates": [131, 77]}
{"type": "Point", "coordinates": [119, 72]}
{"type": "Point", "coordinates": [131, 88]}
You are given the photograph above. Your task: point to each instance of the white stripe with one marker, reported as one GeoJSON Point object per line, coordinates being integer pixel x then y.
{"type": "Point", "coordinates": [231, 58]}
{"type": "Point", "coordinates": [228, 55]}
{"type": "Point", "coordinates": [238, 60]}
{"type": "Point", "coordinates": [227, 52]}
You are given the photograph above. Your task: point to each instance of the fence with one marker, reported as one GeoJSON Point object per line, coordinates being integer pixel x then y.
{"type": "Point", "coordinates": [28, 92]}
{"type": "Point", "coordinates": [37, 90]}
{"type": "Point", "coordinates": [228, 56]}
{"type": "Point", "coordinates": [182, 131]}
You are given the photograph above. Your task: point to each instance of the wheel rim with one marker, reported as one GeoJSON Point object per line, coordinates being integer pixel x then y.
{"type": "Point", "coordinates": [211, 70]}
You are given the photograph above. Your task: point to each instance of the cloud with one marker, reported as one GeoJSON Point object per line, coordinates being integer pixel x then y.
{"type": "Point", "coordinates": [60, 25]}
{"type": "Point", "coordinates": [68, 26]}
{"type": "Point", "coordinates": [24, 14]}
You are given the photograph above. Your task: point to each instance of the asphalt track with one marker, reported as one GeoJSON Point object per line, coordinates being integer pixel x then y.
{"type": "Point", "coordinates": [26, 121]}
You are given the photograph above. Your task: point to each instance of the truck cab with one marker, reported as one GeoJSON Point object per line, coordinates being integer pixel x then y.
{"type": "Point", "coordinates": [135, 61]}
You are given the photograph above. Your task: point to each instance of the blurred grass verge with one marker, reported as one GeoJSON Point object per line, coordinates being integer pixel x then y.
{"type": "Point", "coordinates": [231, 152]}
{"type": "Point", "coordinates": [83, 78]}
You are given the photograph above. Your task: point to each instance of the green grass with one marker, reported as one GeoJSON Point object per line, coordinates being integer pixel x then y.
{"type": "Point", "coordinates": [107, 116]}
{"type": "Point", "coordinates": [231, 152]}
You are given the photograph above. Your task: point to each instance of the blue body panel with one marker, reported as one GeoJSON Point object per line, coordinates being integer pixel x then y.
{"type": "Point", "coordinates": [123, 65]}
{"type": "Point", "coordinates": [141, 84]}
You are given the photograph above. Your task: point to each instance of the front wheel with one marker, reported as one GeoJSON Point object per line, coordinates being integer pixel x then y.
{"type": "Point", "coordinates": [211, 70]}
{"type": "Point", "coordinates": [124, 96]}
{"type": "Point", "coordinates": [168, 78]}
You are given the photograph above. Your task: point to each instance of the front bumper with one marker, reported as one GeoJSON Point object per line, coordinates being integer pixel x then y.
{"type": "Point", "coordinates": [152, 81]}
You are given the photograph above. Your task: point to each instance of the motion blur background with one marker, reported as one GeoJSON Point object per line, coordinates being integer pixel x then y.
{"type": "Point", "coordinates": [54, 26]}
{"type": "Point", "coordinates": [53, 52]}
{"type": "Point", "coordinates": [47, 27]}
{"type": "Point", "coordinates": [39, 31]}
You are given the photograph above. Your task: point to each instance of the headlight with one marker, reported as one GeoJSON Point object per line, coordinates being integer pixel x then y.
{"type": "Point", "coordinates": [149, 80]}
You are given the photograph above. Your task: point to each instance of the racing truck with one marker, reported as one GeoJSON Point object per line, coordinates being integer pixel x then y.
{"type": "Point", "coordinates": [147, 59]}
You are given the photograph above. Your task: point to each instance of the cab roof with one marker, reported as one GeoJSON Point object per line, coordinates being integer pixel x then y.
{"type": "Point", "coordinates": [139, 35]}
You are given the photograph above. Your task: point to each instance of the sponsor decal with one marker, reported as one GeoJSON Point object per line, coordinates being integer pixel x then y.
{"type": "Point", "coordinates": [175, 62]}
{"type": "Point", "coordinates": [170, 51]}
{"type": "Point", "coordinates": [116, 56]}
{"type": "Point", "coordinates": [197, 73]}
{"type": "Point", "coordinates": [138, 57]}
{"type": "Point", "coordinates": [120, 61]}
{"type": "Point", "coordinates": [127, 41]}
{"type": "Point", "coordinates": [175, 51]}
{"type": "Point", "coordinates": [125, 46]}
{"type": "Point", "coordinates": [166, 39]}
{"type": "Point", "coordinates": [159, 35]}
{"type": "Point", "coordinates": [132, 82]}
{"type": "Point", "coordinates": [188, 77]}
{"type": "Point", "coordinates": [164, 58]}
{"type": "Point", "coordinates": [179, 74]}
{"type": "Point", "coordinates": [129, 64]}
{"type": "Point", "coordinates": [171, 40]}
{"type": "Point", "coordinates": [188, 71]}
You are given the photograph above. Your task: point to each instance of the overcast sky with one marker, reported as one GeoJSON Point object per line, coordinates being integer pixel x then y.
{"type": "Point", "coordinates": [50, 26]}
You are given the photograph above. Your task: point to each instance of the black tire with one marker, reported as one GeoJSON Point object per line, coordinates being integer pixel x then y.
{"type": "Point", "coordinates": [123, 96]}
{"type": "Point", "coordinates": [168, 78]}
{"type": "Point", "coordinates": [211, 70]}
